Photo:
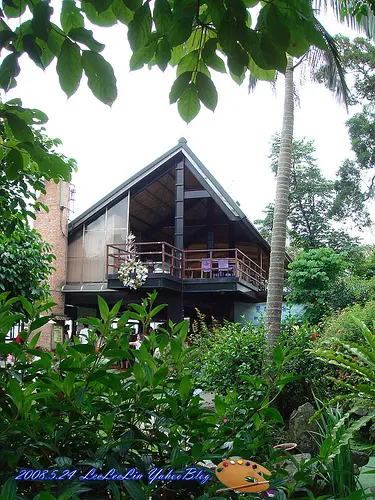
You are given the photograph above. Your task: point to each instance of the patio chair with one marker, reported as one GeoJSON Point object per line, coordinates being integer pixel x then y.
{"type": "Point", "coordinates": [223, 267]}
{"type": "Point", "coordinates": [206, 267]}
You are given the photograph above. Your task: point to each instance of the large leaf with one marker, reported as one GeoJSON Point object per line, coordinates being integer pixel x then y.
{"type": "Point", "coordinates": [101, 5]}
{"type": "Point", "coordinates": [206, 91]}
{"type": "Point", "coordinates": [188, 104]}
{"type": "Point", "coordinates": [100, 76]}
{"type": "Point", "coordinates": [122, 12]}
{"type": "Point", "coordinates": [40, 23]}
{"type": "Point", "coordinates": [14, 164]}
{"type": "Point", "coordinates": [85, 36]}
{"type": "Point", "coordinates": [32, 49]}
{"type": "Point", "coordinates": [9, 69]}
{"type": "Point", "coordinates": [106, 18]}
{"type": "Point", "coordinates": [140, 27]}
{"type": "Point", "coordinates": [69, 67]}
{"type": "Point", "coordinates": [19, 128]}
{"type": "Point", "coordinates": [162, 16]}
{"type": "Point", "coordinates": [70, 16]}
{"type": "Point", "coordinates": [185, 387]}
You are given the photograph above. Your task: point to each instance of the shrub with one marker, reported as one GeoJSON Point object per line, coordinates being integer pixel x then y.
{"type": "Point", "coordinates": [74, 410]}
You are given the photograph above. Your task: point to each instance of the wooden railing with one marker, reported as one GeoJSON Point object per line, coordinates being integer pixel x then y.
{"type": "Point", "coordinates": [223, 263]}
{"type": "Point", "coordinates": [158, 257]}
{"type": "Point", "coordinates": [161, 257]}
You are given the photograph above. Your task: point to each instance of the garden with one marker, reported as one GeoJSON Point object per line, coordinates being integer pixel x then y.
{"type": "Point", "coordinates": [202, 410]}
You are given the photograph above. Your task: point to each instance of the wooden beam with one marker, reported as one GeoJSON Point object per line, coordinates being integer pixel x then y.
{"type": "Point", "coordinates": [196, 193]}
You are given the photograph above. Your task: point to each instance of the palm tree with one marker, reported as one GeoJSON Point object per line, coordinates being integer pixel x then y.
{"type": "Point", "coordinates": [329, 60]}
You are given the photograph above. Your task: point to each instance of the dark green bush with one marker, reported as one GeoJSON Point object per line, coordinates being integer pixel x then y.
{"type": "Point", "coordinates": [75, 410]}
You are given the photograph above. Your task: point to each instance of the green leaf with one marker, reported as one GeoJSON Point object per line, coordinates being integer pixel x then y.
{"type": "Point", "coordinates": [44, 495]}
{"type": "Point", "coordinates": [40, 22]}
{"type": "Point", "coordinates": [103, 308]}
{"type": "Point", "coordinates": [188, 104]}
{"type": "Point", "coordinates": [180, 31]}
{"type": "Point", "coordinates": [9, 489]}
{"type": "Point", "coordinates": [220, 405]}
{"type": "Point", "coordinates": [273, 414]}
{"type": "Point", "coordinates": [228, 32]}
{"type": "Point", "coordinates": [160, 375]}
{"type": "Point", "coordinates": [85, 36]}
{"type": "Point", "coordinates": [101, 5]}
{"type": "Point", "coordinates": [261, 74]}
{"type": "Point", "coordinates": [14, 8]}
{"type": "Point", "coordinates": [70, 16]}
{"type": "Point", "coordinates": [33, 342]}
{"type": "Point", "coordinates": [163, 54]}
{"type": "Point", "coordinates": [140, 27]}
{"type": "Point", "coordinates": [39, 322]}
{"type": "Point", "coordinates": [6, 36]}
{"type": "Point", "coordinates": [100, 75]}
{"type": "Point", "coordinates": [162, 16]}
{"type": "Point", "coordinates": [278, 355]}
{"type": "Point", "coordinates": [273, 56]}
{"type": "Point", "coordinates": [106, 18]}
{"type": "Point", "coordinates": [277, 28]}
{"type": "Point", "coordinates": [108, 420]}
{"type": "Point", "coordinates": [135, 490]}
{"type": "Point", "coordinates": [138, 374]}
{"type": "Point", "coordinates": [188, 62]}
{"type": "Point", "coordinates": [185, 388]}
{"type": "Point", "coordinates": [14, 164]}
{"type": "Point", "coordinates": [175, 349]}
{"type": "Point", "coordinates": [133, 4]}
{"type": "Point", "coordinates": [32, 49]}
{"type": "Point", "coordinates": [16, 392]}
{"type": "Point", "coordinates": [141, 57]}
{"type": "Point", "coordinates": [207, 92]}
{"type": "Point", "coordinates": [122, 12]}
{"type": "Point", "coordinates": [19, 128]}
{"type": "Point", "coordinates": [9, 69]}
{"type": "Point", "coordinates": [69, 67]}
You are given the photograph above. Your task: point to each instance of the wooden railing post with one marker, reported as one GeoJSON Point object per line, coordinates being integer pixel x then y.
{"type": "Point", "coordinates": [162, 256]}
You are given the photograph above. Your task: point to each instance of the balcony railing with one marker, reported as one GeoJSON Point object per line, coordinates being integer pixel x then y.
{"type": "Point", "coordinates": [161, 257]}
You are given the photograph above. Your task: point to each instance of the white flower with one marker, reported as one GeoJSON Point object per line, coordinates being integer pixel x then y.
{"type": "Point", "coordinates": [133, 273]}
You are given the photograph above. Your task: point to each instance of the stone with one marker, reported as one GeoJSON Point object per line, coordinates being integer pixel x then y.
{"type": "Point", "coordinates": [360, 458]}
{"type": "Point", "coordinates": [207, 400]}
{"type": "Point", "coordinates": [290, 467]}
{"type": "Point", "coordinates": [300, 431]}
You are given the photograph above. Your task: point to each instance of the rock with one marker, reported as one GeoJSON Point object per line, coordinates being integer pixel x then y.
{"type": "Point", "coordinates": [300, 431]}
{"type": "Point", "coordinates": [360, 458]}
{"type": "Point", "coordinates": [361, 412]}
{"type": "Point", "coordinates": [371, 434]}
{"type": "Point", "coordinates": [355, 470]}
{"type": "Point", "coordinates": [208, 400]}
{"type": "Point", "coordinates": [289, 466]}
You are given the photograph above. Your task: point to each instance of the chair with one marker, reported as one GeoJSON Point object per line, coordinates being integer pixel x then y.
{"type": "Point", "coordinates": [206, 266]}
{"type": "Point", "coordinates": [223, 267]}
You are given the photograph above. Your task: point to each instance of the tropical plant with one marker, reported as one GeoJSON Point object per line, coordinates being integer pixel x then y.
{"type": "Point", "coordinates": [28, 159]}
{"type": "Point", "coordinates": [25, 264]}
{"type": "Point", "coordinates": [311, 215]}
{"type": "Point", "coordinates": [358, 359]}
{"type": "Point", "coordinates": [186, 34]}
{"type": "Point", "coordinates": [133, 272]}
{"type": "Point", "coordinates": [313, 276]}
{"type": "Point", "coordinates": [74, 410]}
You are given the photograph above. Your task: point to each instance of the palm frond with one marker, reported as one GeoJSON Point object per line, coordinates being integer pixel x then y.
{"type": "Point", "coordinates": [330, 62]}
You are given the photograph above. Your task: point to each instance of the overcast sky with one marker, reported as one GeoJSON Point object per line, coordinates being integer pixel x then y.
{"type": "Point", "coordinates": [111, 144]}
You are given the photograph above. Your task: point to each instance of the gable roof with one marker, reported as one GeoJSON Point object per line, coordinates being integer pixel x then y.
{"type": "Point", "coordinates": [192, 162]}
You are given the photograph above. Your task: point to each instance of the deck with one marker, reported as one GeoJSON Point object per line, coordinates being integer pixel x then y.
{"type": "Point", "coordinates": [163, 259]}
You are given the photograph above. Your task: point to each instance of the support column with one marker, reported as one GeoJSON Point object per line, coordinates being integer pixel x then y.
{"type": "Point", "coordinates": [179, 206]}
{"type": "Point", "coordinates": [210, 224]}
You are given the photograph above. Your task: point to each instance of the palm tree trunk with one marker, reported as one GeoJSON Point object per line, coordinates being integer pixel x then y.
{"type": "Point", "coordinates": [278, 242]}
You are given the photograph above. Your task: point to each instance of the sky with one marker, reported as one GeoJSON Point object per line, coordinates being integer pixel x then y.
{"type": "Point", "coordinates": [112, 144]}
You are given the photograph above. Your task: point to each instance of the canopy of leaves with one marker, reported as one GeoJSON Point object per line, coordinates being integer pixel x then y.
{"type": "Point", "coordinates": [25, 264]}
{"type": "Point", "coordinates": [313, 277]}
{"type": "Point", "coordinates": [197, 36]}
{"type": "Point", "coordinates": [313, 203]}
{"type": "Point", "coordinates": [28, 159]}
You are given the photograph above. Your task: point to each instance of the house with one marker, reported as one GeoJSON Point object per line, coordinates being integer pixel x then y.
{"type": "Point", "coordinates": [200, 249]}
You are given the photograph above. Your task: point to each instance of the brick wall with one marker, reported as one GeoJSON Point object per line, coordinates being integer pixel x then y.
{"type": "Point", "coordinates": [53, 227]}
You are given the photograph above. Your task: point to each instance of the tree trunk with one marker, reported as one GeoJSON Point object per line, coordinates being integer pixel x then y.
{"type": "Point", "coordinates": [278, 242]}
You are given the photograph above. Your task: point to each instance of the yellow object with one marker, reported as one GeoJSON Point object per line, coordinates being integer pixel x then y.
{"type": "Point", "coordinates": [246, 477]}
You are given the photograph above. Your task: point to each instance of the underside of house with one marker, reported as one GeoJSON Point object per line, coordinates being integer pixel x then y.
{"type": "Point", "coordinates": [200, 250]}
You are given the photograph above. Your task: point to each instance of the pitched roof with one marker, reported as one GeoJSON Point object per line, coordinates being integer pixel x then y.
{"type": "Point", "coordinates": [208, 181]}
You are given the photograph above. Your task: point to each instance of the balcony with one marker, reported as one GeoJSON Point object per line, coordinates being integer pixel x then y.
{"type": "Point", "coordinates": [165, 260]}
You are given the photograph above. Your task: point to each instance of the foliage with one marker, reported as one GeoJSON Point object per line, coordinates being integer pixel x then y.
{"type": "Point", "coordinates": [342, 327]}
{"type": "Point", "coordinates": [359, 359]}
{"type": "Point", "coordinates": [28, 160]}
{"type": "Point", "coordinates": [313, 203]}
{"type": "Point", "coordinates": [312, 277]}
{"type": "Point", "coordinates": [73, 409]}
{"type": "Point", "coordinates": [226, 353]}
{"type": "Point", "coordinates": [350, 290]}
{"type": "Point", "coordinates": [25, 264]}
{"type": "Point", "coordinates": [186, 34]}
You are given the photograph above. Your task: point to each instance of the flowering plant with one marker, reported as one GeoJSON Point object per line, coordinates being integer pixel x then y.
{"type": "Point", "coordinates": [133, 273]}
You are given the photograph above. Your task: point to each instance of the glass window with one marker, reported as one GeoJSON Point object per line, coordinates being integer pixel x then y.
{"type": "Point", "coordinates": [117, 216]}
{"type": "Point", "coordinates": [97, 224]}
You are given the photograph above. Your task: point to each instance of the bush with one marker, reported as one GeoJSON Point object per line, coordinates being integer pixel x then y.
{"type": "Point", "coordinates": [74, 410]}
{"type": "Point", "coordinates": [352, 290]}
